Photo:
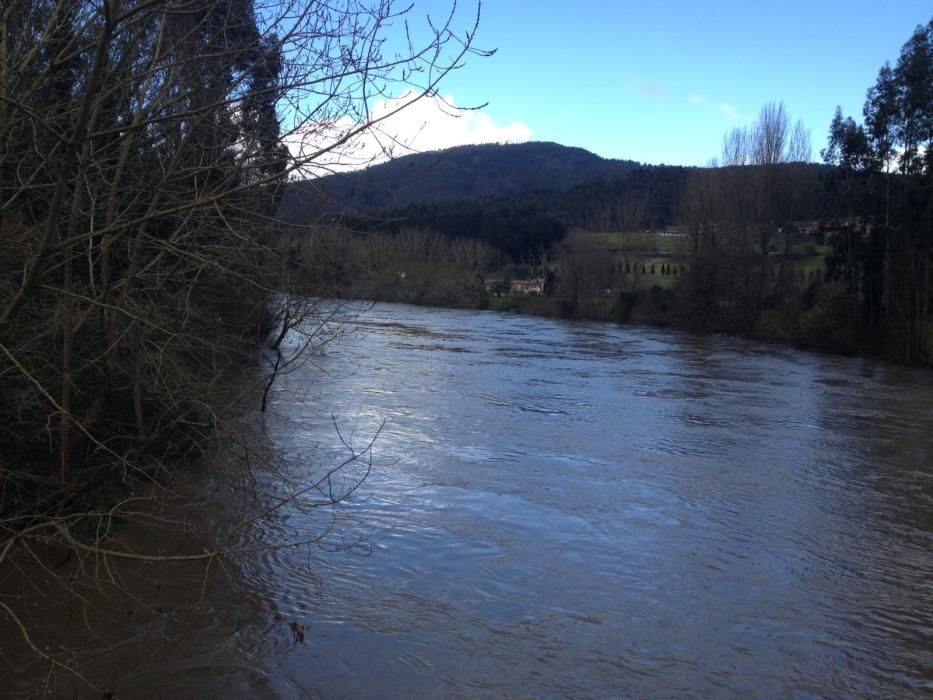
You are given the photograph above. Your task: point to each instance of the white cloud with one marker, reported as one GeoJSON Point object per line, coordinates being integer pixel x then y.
{"type": "Point", "coordinates": [725, 109]}
{"type": "Point", "coordinates": [426, 124]}
{"type": "Point", "coordinates": [729, 112]}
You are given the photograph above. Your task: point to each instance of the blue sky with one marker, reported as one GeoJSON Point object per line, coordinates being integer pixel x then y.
{"type": "Point", "coordinates": [661, 81]}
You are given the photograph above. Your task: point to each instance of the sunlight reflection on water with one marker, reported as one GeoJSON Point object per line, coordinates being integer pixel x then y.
{"type": "Point", "coordinates": [565, 510]}
{"type": "Point", "coordinates": [571, 509]}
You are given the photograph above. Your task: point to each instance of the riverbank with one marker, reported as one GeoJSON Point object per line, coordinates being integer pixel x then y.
{"type": "Point", "coordinates": [824, 326]}
{"type": "Point", "coordinates": [169, 588]}
{"type": "Point", "coordinates": [792, 298]}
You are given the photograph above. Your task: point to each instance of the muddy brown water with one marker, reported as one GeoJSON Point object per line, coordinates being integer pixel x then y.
{"type": "Point", "coordinates": [564, 510]}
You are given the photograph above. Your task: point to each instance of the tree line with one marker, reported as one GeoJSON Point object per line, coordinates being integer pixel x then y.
{"type": "Point", "coordinates": [883, 248]}
{"type": "Point", "coordinates": [871, 203]}
{"type": "Point", "coordinates": [626, 197]}
{"type": "Point", "coordinates": [876, 291]}
{"type": "Point", "coordinates": [143, 155]}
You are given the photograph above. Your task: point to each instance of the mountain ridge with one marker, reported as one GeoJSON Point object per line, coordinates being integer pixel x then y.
{"type": "Point", "coordinates": [518, 196]}
{"type": "Point", "coordinates": [461, 172]}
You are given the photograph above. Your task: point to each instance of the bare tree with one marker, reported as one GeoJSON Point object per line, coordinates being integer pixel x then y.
{"type": "Point", "coordinates": [800, 147]}
{"type": "Point", "coordinates": [143, 152]}
{"type": "Point", "coordinates": [585, 273]}
{"type": "Point", "coordinates": [770, 140]}
{"type": "Point", "coordinates": [735, 147]}
{"type": "Point", "coordinates": [735, 212]}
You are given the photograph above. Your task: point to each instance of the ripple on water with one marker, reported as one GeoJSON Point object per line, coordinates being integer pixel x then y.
{"type": "Point", "coordinates": [575, 510]}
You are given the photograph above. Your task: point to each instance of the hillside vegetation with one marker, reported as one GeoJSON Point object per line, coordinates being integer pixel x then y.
{"type": "Point", "coordinates": [835, 256]}
{"type": "Point", "coordinates": [463, 172]}
{"type": "Point", "coordinates": [519, 198]}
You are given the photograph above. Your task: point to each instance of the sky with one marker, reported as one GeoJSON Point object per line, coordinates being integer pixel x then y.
{"type": "Point", "coordinates": [656, 81]}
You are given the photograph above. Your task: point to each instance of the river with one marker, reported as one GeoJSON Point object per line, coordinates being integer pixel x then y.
{"type": "Point", "coordinates": [563, 509]}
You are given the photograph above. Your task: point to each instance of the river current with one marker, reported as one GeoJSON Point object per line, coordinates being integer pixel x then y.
{"type": "Point", "coordinates": [562, 509]}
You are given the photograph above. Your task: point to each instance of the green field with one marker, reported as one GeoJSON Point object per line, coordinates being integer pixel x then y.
{"type": "Point", "coordinates": [644, 242]}
{"type": "Point", "coordinates": [648, 278]}
{"type": "Point", "coordinates": [808, 247]}
{"type": "Point", "coordinates": [648, 242]}
{"type": "Point", "coordinates": [806, 260]}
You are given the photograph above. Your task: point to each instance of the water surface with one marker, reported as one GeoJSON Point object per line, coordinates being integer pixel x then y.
{"type": "Point", "coordinates": [571, 510]}
{"type": "Point", "coordinates": [566, 509]}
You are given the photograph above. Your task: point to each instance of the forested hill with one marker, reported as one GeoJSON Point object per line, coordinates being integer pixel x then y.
{"type": "Point", "coordinates": [463, 172]}
{"type": "Point", "coordinates": [570, 186]}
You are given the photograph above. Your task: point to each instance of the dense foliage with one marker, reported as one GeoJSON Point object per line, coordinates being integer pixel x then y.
{"type": "Point", "coordinates": [517, 198]}
{"type": "Point", "coordinates": [483, 171]}
{"type": "Point", "coordinates": [146, 289]}
{"type": "Point", "coordinates": [883, 249]}
{"type": "Point", "coordinates": [754, 219]}
{"type": "Point", "coordinates": [142, 159]}
{"type": "Point", "coordinates": [139, 153]}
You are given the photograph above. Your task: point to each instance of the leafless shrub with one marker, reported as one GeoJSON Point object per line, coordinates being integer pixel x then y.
{"type": "Point", "coordinates": [142, 157]}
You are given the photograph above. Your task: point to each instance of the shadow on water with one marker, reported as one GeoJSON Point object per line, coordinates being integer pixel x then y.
{"type": "Point", "coordinates": [568, 509]}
